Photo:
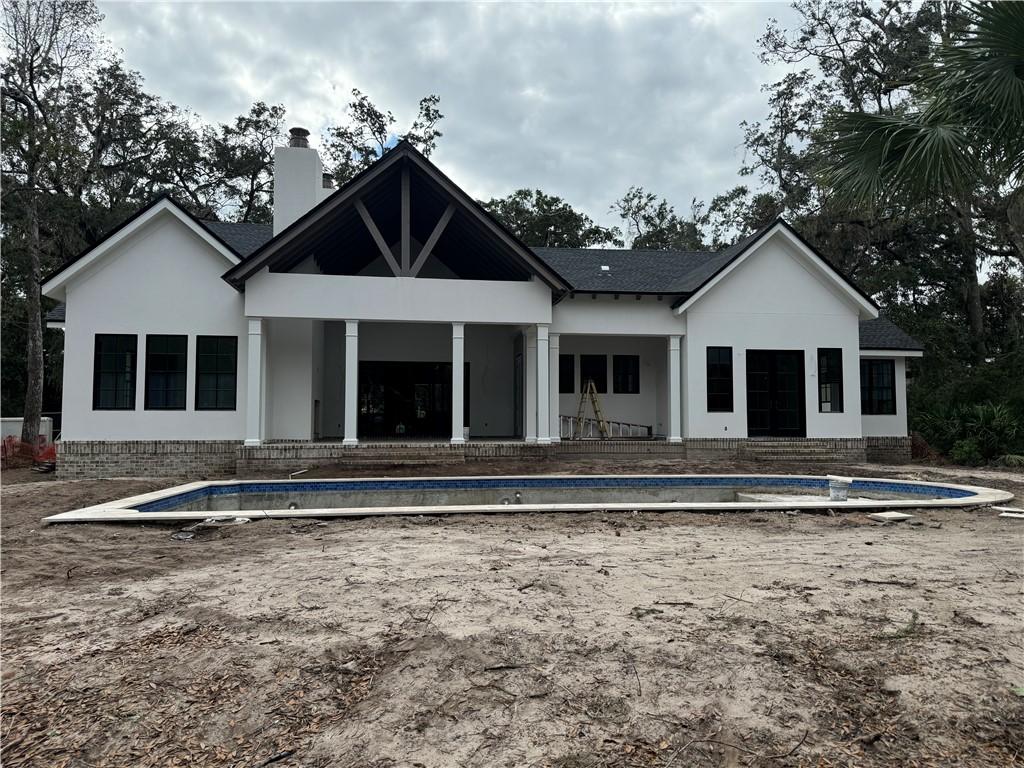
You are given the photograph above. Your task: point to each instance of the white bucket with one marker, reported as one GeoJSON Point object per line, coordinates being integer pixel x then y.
{"type": "Point", "coordinates": [838, 487]}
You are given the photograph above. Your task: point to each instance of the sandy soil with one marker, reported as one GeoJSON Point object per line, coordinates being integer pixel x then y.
{"type": "Point", "coordinates": [547, 640]}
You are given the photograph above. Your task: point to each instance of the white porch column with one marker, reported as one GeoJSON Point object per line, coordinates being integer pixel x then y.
{"type": "Point", "coordinates": [674, 393]}
{"type": "Point", "coordinates": [530, 412]}
{"type": "Point", "coordinates": [543, 390]}
{"type": "Point", "coordinates": [254, 384]}
{"type": "Point", "coordinates": [351, 382]}
{"type": "Point", "coordinates": [458, 382]}
{"type": "Point", "coordinates": [554, 409]}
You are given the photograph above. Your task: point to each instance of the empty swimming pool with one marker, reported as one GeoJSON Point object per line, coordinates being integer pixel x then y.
{"type": "Point", "coordinates": [542, 493]}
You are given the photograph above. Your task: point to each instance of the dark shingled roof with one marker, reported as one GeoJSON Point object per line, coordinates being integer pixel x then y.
{"type": "Point", "coordinates": [241, 237]}
{"type": "Point", "coordinates": [882, 333]}
{"type": "Point", "coordinates": [638, 271]}
{"type": "Point", "coordinates": [681, 273]}
{"type": "Point", "coordinates": [628, 271]}
{"type": "Point", "coordinates": [56, 315]}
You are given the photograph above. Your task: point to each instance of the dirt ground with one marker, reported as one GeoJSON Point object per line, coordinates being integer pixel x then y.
{"type": "Point", "coordinates": [513, 640]}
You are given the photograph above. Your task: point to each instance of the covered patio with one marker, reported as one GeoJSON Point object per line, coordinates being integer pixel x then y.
{"type": "Point", "coordinates": [398, 309]}
{"type": "Point", "coordinates": [354, 381]}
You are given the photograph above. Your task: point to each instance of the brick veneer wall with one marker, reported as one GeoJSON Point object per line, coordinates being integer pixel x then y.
{"type": "Point", "coordinates": [482, 451]}
{"type": "Point", "coordinates": [709, 448]}
{"type": "Point", "coordinates": [822, 449]}
{"type": "Point", "coordinates": [271, 458]}
{"type": "Point", "coordinates": [888, 450]}
{"type": "Point", "coordinates": [623, 448]}
{"type": "Point", "coordinates": [226, 458]}
{"type": "Point", "coordinates": [78, 459]}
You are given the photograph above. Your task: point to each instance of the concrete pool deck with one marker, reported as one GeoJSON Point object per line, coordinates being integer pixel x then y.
{"type": "Point", "coordinates": [127, 510]}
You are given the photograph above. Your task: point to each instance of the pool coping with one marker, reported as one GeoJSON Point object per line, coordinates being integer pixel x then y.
{"type": "Point", "coordinates": [125, 510]}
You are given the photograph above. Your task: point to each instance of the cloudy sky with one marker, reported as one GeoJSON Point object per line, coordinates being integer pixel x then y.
{"type": "Point", "coordinates": [579, 100]}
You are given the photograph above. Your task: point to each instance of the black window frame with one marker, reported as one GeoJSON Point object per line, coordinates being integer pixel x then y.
{"type": "Point", "coordinates": [600, 382]}
{"type": "Point", "coordinates": [626, 381]}
{"type": "Point", "coordinates": [830, 379]}
{"type": "Point", "coordinates": [158, 364]}
{"type": "Point", "coordinates": [566, 374]}
{"type": "Point", "coordinates": [870, 402]}
{"type": "Point", "coordinates": [205, 358]}
{"type": "Point", "coordinates": [109, 359]}
{"type": "Point", "coordinates": [719, 375]}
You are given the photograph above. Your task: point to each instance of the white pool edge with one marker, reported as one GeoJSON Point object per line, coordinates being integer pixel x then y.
{"type": "Point", "coordinates": [125, 510]}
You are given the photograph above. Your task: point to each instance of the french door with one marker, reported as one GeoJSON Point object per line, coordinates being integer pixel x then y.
{"type": "Point", "coordinates": [775, 393]}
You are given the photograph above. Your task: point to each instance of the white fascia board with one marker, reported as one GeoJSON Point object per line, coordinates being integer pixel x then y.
{"type": "Point", "coordinates": [864, 307]}
{"type": "Point", "coordinates": [54, 288]}
{"type": "Point", "coordinates": [891, 353]}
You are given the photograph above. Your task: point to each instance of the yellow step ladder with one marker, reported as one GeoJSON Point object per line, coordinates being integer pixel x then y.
{"type": "Point", "coordinates": [590, 392]}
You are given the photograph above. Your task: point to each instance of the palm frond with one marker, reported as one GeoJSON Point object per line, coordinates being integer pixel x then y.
{"type": "Point", "coordinates": [979, 81]}
{"type": "Point", "coordinates": [969, 118]}
{"type": "Point", "coordinates": [878, 157]}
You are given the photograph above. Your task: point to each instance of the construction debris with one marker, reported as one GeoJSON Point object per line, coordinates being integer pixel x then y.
{"type": "Point", "coordinates": [189, 532]}
{"type": "Point", "coordinates": [890, 517]}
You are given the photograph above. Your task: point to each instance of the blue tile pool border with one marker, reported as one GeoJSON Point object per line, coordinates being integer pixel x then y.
{"type": "Point", "coordinates": [176, 501]}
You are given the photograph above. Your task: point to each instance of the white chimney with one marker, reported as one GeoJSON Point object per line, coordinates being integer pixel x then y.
{"type": "Point", "coordinates": [298, 179]}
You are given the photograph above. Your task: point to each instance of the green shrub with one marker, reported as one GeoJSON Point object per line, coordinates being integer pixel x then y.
{"type": "Point", "coordinates": [950, 401]}
{"type": "Point", "coordinates": [993, 427]}
{"type": "Point", "coordinates": [972, 434]}
{"type": "Point", "coordinates": [966, 452]}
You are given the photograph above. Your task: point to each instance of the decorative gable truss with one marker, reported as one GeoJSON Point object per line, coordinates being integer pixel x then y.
{"type": "Point", "coordinates": [395, 219]}
{"type": "Point", "coordinates": [407, 268]}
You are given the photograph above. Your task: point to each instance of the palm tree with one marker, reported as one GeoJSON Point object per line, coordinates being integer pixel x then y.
{"type": "Point", "coordinates": [963, 122]}
{"type": "Point", "coordinates": [960, 131]}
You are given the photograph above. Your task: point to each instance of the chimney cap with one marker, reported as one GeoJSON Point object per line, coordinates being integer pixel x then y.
{"type": "Point", "coordinates": [298, 137]}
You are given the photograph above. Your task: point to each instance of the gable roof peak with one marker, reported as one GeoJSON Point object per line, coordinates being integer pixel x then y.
{"type": "Point", "coordinates": [350, 192]}
{"type": "Point", "coordinates": [740, 250]}
{"type": "Point", "coordinates": [53, 284]}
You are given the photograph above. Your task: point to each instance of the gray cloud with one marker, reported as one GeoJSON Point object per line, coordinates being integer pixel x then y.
{"type": "Point", "coordinates": [579, 100]}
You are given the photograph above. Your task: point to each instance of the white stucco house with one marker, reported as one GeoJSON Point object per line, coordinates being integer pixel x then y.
{"type": "Point", "coordinates": [395, 314]}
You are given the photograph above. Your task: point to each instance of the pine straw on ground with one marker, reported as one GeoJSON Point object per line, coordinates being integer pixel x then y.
{"type": "Point", "coordinates": [118, 713]}
{"type": "Point", "coordinates": [567, 641]}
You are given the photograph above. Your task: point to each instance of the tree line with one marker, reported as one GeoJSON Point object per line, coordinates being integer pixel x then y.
{"type": "Point", "coordinates": [893, 145]}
